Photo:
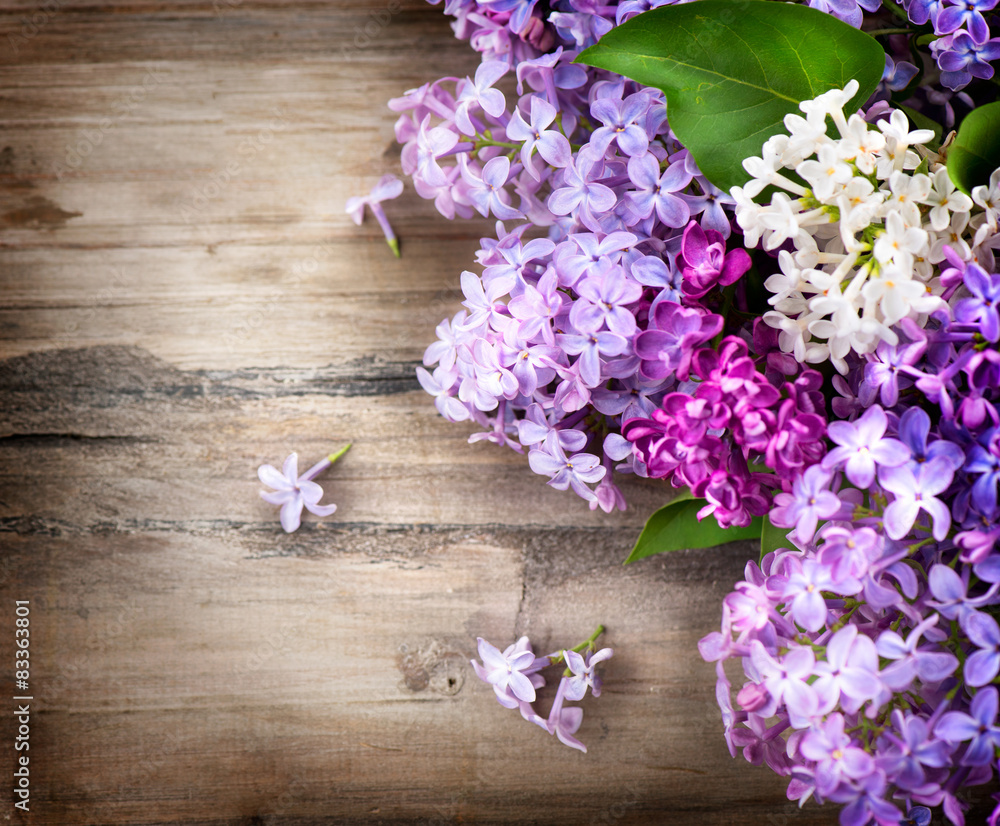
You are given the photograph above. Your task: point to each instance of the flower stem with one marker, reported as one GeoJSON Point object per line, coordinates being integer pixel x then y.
{"type": "Point", "coordinates": [333, 457]}
{"type": "Point", "coordinates": [589, 642]}
{"type": "Point", "coordinates": [390, 236]}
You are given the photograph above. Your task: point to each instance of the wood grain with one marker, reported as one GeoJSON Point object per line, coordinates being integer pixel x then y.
{"type": "Point", "coordinates": [168, 322]}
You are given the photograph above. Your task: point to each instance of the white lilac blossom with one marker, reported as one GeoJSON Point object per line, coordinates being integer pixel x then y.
{"type": "Point", "coordinates": [515, 675]}
{"type": "Point", "coordinates": [294, 492]}
{"type": "Point", "coordinates": [859, 243]}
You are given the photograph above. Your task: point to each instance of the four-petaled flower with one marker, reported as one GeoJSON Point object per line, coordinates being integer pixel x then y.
{"type": "Point", "coordinates": [293, 492]}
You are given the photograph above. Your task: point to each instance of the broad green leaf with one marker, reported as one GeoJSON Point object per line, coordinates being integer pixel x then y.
{"type": "Point", "coordinates": [731, 71]}
{"type": "Point", "coordinates": [772, 537]}
{"type": "Point", "coordinates": [975, 154]}
{"type": "Point", "coordinates": [675, 527]}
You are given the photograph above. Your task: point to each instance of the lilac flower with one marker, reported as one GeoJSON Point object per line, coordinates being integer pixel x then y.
{"type": "Point", "coordinates": [582, 193]}
{"type": "Point", "coordinates": [930, 663]}
{"type": "Point", "coordinates": [605, 297]}
{"type": "Point", "coordinates": [656, 191]}
{"type": "Point", "coordinates": [583, 250]}
{"type": "Point", "coordinates": [551, 145]}
{"type": "Point", "coordinates": [420, 157]}
{"type": "Point", "coordinates": [836, 754]}
{"type": "Point", "coordinates": [479, 92]}
{"type": "Point", "coordinates": [565, 724]}
{"type": "Point", "coordinates": [982, 307]}
{"type": "Point", "coordinates": [441, 385]}
{"type": "Point", "coordinates": [808, 503]}
{"type": "Point", "coordinates": [662, 276]}
{"type": "Point", "coordinates": [444, 351]}
{"type": "Point", "coordinates": [914, 429]}
{"type": "Point", "coordinates": [707, 263]}
{"type": "Point", "coordinates": [762, 744]}
{"type": "Point", "coordinates": [388, 187]}
{"type": "Point", "coordinates": [548, 74]}
{"type": "Point", "coordinates": [865, 800]}
{"type": "Point", "coordinates": [984, 663]}
{"type": "Point", "coordinates": [966, 14]}
{"type": "Point", "coordinates": [667, 345]}
{"type": "Point", "coordinates": [909, 749]}
{"type": "Point", "coordinates": [710, 205]}
{"type": "Point", "coordinates": [535, 427]}
{"type": "Point", "coordinates": [786, 681]}
{"type": "Point", "coordinates": [537, 308]}
{"type": "Point", "coordinates": [583, 675]}
{"type": "Point", "coordinates": [294, 492]}
{"type": "Point", "coordinates": [846, 10]}
{"type": "Point", "coordinates": [487, 193]}
{"type": "Point", "coordinates": [513, 673]}
{"type": "Point", "coordinates": [950, 591]}
{"type": "Point", "coordinates": [631, 397]}
{"type": "Point", "coordinates": [863, 446]}
{"type": "Point", "coordinates": [979, 728]}
{"type": "Point", "coordinates": [804, 588]}
{"type": "Point", "coordinates": [887, 370]}
{"type": "Point", "coordinates": [962, 59]}
{"type": "Point", "coordinates": [511, 258]}
{"type": "Point", "coordinates": [590, 347]}
{"type": "Point", "coordinates": [620, 119]}
{"type": "Point", "coordinates": [916, 491]}
{"type": "Point", "coordinates": [849, 675]}
{"type": "Point", "coordinates": [920, 11]}
{"type": "Point", "coordinates": [576, 471]}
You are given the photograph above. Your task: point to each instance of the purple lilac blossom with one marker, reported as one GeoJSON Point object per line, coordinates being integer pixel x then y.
{"type": "Point", "coordinates": [293, 492]}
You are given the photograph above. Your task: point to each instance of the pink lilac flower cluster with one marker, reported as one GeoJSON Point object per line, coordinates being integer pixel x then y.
{"type": "Point", "coordinates": [515, 674]}
{"type": "Point", "coordinates": [870, 644]}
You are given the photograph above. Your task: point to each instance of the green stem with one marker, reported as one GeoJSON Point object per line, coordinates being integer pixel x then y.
{"type": "Point", "coordinates": [333, 457]}
{"type": "Point", "coordinates": [479, 143]}
{"type": "Point", "coordinates": [589, 642]}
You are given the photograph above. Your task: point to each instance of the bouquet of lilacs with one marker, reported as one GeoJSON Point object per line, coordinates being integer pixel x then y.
{"type": "Point", "coordinates": [736, 251]}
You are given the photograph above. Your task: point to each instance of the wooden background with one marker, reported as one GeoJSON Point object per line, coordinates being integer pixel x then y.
{"type": "Point", "coordinates": [184, 299]}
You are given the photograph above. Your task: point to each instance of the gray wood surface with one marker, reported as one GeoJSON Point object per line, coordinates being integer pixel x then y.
{"type": "Point", "coordinates": [183, 298]}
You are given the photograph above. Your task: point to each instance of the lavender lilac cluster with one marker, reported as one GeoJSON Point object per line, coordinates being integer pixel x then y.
{"type": "Point", "coordinates": [516, 676]}
{"type": "Point", "coordinates": [564, 338]}
{"type": "Point", "coordinates": [870, 645]}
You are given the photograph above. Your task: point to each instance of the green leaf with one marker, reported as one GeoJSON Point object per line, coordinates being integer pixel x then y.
{"type": "Point", "coordinates": [675, 527]}
{"type": "Point", "coordinates": [772, 537]}
{"type": "Point", "coordinates": [975, 154]}
{"type": "Point", "coordinates": [731, 71]}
